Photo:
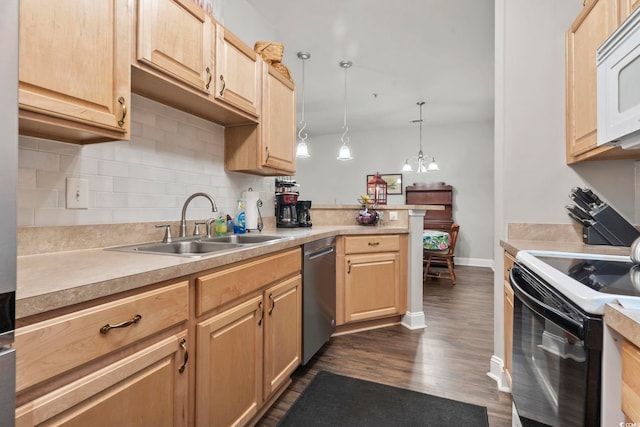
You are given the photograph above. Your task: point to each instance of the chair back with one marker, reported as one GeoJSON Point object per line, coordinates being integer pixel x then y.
{"type": "Point", "coordinates": [453, 238]}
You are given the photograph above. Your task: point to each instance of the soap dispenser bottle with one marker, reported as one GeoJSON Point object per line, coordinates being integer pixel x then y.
{"type": "Point", "coordinates": [239, 225]}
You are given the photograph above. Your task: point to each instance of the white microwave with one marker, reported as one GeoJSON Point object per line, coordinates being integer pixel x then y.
{"type": "Point", "coordinates": [618, 85]}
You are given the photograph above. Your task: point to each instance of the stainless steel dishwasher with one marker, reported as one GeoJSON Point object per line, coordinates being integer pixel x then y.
{"type": "Point", "coordinates": [318, 295]}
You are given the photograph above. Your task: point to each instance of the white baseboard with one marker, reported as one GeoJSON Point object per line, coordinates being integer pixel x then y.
{"type": "Point", "coordinates": [497, 374]}
{"type": "Point", "coordinates": [474, 262]}
{"type": "Point", "coordinates": [414, 320]}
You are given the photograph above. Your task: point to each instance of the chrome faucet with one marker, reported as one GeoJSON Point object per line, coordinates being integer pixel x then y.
{"type": "Point", "coordinates": [183, 221]}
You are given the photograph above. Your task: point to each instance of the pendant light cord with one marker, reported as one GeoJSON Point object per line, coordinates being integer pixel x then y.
{"type": "Point", "coordinates": [344, 125]}
{"type": "Point", "coordinates": [303, 124]}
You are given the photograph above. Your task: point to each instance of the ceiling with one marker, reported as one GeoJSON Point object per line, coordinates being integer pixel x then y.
{"type": "Point", "coordinates": [439, 51]}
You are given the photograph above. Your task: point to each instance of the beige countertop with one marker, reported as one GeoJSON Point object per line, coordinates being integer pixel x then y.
{"type": "Point", "coordinates": [57, 279]}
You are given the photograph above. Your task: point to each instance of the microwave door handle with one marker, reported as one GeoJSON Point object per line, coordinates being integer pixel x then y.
{"type": "Point", "coordinates": [565, 322]}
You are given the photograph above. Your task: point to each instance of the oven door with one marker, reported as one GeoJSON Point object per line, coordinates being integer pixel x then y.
{"type": "Point", "coordinates": [556, 375]}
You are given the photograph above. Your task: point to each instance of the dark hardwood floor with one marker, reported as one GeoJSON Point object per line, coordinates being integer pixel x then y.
{"type": "Point", "coordinates": [450, 358]}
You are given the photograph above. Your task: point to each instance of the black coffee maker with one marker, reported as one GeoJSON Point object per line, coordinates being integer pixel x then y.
{"type": "Point", "coordinates": [304, 213]}
{"type": "Point", "coordinates": [286, 209]}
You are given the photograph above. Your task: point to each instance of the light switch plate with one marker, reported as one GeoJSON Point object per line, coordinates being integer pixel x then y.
{"type": "Point", "coordinates": [393, 215]}
{"type": "Point", "coordinates": [77, 193]}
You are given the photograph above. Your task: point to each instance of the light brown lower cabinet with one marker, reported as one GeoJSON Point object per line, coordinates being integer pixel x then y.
{"type": "Point", "coordinates": [246, 353]}
{"type": "Point", "coordinates": [631, 381]}
{"type": "Point", "coordinates": [371, 277]}
{"type": "Point", "coordinates": [149, 387]}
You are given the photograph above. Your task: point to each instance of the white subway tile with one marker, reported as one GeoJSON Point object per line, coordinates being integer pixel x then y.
{"type": "Point", "coordinates": [113, 169]}
{"type": "Point", "coordinates": [26, 178]}
{"type": "Point", "coordinates": [40, 160]}
{"type": "Point", "coordinates": [130, 185]}
{"type": "Point", "coordinates": [37, 199]}
{"type": "Point", "coordinates": [50, 180]}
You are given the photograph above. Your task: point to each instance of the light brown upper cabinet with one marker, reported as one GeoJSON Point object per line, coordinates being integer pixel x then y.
{"type": "Point", "coordinates": [237, 72]}
{"type": "Point", "coordinates": [175, 36]}
{"type": "Point", "coordinates": [269, 147]}
{"type": "Point", "coordinates": [74, 70]}
{"type": "Point", "coordinates": [174, 60]}
{"type": "Point", "coordinates": [597, 20]}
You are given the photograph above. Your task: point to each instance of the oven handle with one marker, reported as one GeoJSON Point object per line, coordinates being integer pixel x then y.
{"type": "Point", "coordinates": [565, 322]}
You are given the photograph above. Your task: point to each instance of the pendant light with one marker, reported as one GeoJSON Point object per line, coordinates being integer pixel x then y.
{"type": "Point", "coordinates": [302, 150]}
{"type": "Point", "coordinates": [420, 162]}
{"type": "Point", "coordinates": [345, 151]}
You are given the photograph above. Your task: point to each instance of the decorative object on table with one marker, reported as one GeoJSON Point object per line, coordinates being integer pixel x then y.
{"type": "Point", "coordinates": [429, 256]}
{"type": "Point", "coordinates": [336, 400]}
{"type": "Point", "coordinates": [345, 151]}
{"type": "Point", "coordinates": [302, 150]}
{"type": "Point", "coordinates": [367, 215]}
{"type": "Point", "coordinates": [393, 180]}
{"type": "Point", "coordinates": [419, 161]}
{"type": "Point", "coordinates": [377, 189]}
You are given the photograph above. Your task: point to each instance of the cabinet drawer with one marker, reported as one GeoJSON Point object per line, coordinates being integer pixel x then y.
{"type": "Point", "coordinates": [371, 243]}
{"type": "Point", "coordinates": [631, 381]}
{"type": "Point", "coordinates": [230, 283]}
{"type": "Point", "coordinates": [54, 346]}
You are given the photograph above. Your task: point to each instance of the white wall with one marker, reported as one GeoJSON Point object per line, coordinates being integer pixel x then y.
{"type": "Point", "coordinates": [464, 153]}
{"type": "Point", "coordinates": [170, 156]}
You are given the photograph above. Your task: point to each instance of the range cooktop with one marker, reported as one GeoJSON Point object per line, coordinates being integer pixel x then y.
{"type": "Point", "coordinates": [589, 280]}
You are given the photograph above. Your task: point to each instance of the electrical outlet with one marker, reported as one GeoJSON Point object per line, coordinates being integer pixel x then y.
{"type": "Point", "coordinates": [77, 193]}
{"type": "Point", "coordinates": [393, 215]}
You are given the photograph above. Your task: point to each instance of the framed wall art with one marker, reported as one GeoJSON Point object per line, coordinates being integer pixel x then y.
{"type": "Point", "coordinates": [394, 182]}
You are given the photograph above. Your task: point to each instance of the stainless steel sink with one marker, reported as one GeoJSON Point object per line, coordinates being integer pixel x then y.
{"type": "Point", "coordinates": [201, 246]}
{"type": "Point", "coordinates": [246, 238]}
{"type": "Point", "coordinates": [187, 248]}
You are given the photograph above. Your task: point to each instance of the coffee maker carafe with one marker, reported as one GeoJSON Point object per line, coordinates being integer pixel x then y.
{"type": "Point", "coordinates": [286, 211]}
{"type": "Point", "coordinates": [304, 213]}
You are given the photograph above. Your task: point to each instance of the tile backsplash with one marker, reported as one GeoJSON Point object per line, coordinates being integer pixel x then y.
{"type": "Point", "coordinates": [171, 155]}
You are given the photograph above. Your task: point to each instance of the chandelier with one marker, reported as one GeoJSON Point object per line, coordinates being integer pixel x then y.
{"type": "Point", "coordinates": [421, 163]}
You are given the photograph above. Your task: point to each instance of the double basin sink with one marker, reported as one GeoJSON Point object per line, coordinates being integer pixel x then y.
{"type": "Point", "coordinates": [195, 247]}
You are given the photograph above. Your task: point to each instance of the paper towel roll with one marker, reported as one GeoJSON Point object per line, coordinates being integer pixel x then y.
{"type": "Point", "coordinates": [251, 209]}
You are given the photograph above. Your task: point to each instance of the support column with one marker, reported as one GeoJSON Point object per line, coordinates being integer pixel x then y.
{"type": "Point", "coordinates": [414, 317]}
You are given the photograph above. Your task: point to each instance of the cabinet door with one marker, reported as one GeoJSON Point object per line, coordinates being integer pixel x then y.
{"type": "Point", "coordinates": [594, 24]}
{"type": "Point", "coordinates": [626, 7]}
{"type": "Point", "coordinates": [149, 387]}
{"type": "Point", "coordinates": [283, 333]}
{"type": "Point", "coordinates": [74, 68]}
{"type": "Point", "coordinates": [269, 147]}
{"type": "Point", "coordinates": [372, 286]}
{"type": "Point", "coordinates": [229, 365]}
{"type": "Point", "coordinates": [175, 36]}
{"type": "Point", "coordinates": [278, 122]}
{"type": "Point", "coordinates": [237, 77]}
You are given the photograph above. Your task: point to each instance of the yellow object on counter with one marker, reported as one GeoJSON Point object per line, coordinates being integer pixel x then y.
{"type": "Point", "coordinates": [221, 226]}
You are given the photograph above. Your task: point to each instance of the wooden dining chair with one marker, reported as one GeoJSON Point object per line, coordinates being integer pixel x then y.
{"type": "Point", "coordinates": [445, 255]}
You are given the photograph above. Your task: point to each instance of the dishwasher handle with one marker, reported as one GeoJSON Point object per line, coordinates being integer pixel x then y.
{"type": "Point", "coordinates": [321, 252]}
